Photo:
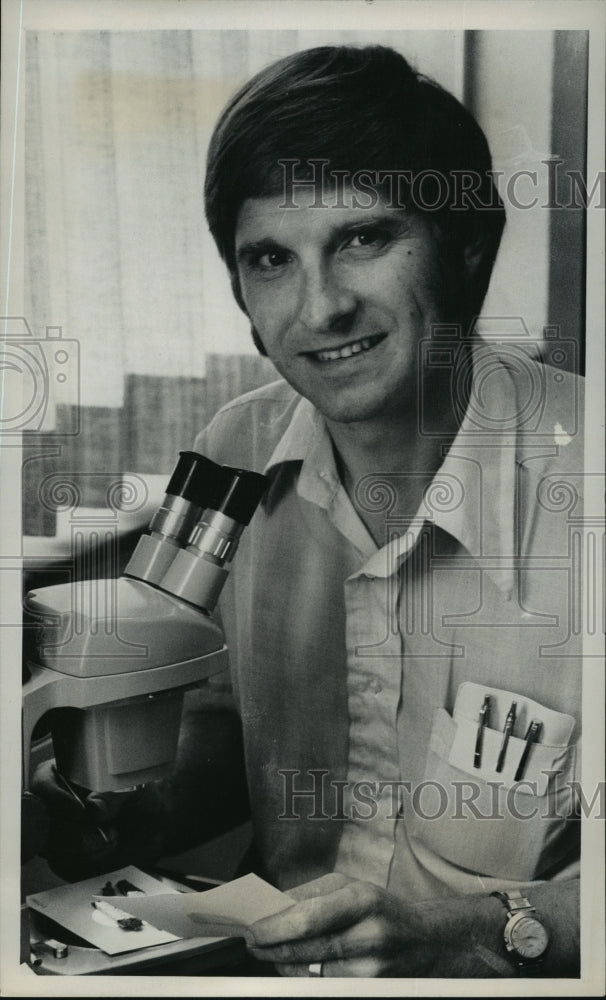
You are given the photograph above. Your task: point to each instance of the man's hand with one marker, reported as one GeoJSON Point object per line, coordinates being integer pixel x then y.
{"type": "Point", "coordinates": [205, 795]}
{"type": "Point", "coordinates": [357, 929]}
{"type": "Point", "coordinates": [83, 835]}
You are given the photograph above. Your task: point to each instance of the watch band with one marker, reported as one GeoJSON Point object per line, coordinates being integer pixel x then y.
{"type": "Point", "coordinates": [517, 905]}
{"type": "Point", "coordinates": [514, 900]}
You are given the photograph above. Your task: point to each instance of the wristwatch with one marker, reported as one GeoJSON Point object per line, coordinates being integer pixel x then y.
{"type": "Point", "coordinates": [526, 937]}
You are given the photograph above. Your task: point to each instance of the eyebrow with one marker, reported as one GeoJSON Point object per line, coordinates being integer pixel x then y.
{"type": "Point", "coordinates": [392, 219]}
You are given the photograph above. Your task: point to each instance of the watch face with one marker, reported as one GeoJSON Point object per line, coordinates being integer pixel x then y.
{"type": "Point", "coordinates": [529, 937]}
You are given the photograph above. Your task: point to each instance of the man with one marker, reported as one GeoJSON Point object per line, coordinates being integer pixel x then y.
{"type": "Point", "coordinates": [393, 621]}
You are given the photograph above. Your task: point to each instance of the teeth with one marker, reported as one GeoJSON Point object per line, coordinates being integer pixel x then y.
{"type": "Point", "coordinates": [346, 352]}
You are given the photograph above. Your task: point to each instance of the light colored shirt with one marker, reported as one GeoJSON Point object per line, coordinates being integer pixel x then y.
{"type": "Point", "coordinates": [359, 670]}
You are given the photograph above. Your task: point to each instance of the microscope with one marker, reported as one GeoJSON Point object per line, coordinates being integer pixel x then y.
{"type": "Point", "coordinates": [113, 659]}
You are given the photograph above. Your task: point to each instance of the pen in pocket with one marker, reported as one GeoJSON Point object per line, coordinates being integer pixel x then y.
{"type": "Point", "coordinates": [482, 723]}
{"type": "Point", "coordinates": [531, 737]}
{"type": "Point", "coordinates": [507, 731]}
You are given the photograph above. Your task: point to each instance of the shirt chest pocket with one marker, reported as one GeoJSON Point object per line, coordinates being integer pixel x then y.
{"type": "Point", "coordinates": [507, 814]}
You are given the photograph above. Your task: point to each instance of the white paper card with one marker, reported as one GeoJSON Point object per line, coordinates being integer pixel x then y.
{"type": "Point", "coordinates": [226, 910]}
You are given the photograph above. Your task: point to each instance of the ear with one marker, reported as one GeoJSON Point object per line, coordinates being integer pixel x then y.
{"type": "Point", "coordinates": [474, 253]}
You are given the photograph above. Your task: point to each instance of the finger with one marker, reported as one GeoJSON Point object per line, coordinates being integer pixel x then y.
{"type": "Point", "coordinates": [46, 786]}
{"type": "Point", "coordinates": [355, 968]}
{"type": "Point", "coordinates": [359, 968]}
{"type": "Point", "coordinates": [43, 772]}
{"type": "Point", "coordinates": [319, 886]}
{"type": "Point", "coordinates": [318, 915]}
{"type": "Point", "coordinates": [67, 801]}
{"type": "Point", "coordinates": [368, 938]}
{"type": "Point", "coordinates": [106, 806]}
{"type": "Point", "coordinates": [286, 969]}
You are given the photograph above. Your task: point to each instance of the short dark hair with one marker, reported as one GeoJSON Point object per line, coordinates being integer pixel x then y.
{"type": "Point", "coordinates": [360, 109]}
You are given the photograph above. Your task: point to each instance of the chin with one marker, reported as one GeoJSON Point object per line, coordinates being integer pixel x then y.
{"type": "Point", "coordinates": [353, 412]}
{"type": "Point", "coordinates": [401, 406]}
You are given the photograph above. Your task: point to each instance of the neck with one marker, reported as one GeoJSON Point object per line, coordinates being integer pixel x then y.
{"type": "Point", "coordinates": [396, 452]}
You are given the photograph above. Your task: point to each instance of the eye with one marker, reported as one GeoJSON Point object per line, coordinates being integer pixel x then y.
{"type": "Point", "coordinates": [371, 238]}
{"type": "Point", "coordinates": [270, 260]}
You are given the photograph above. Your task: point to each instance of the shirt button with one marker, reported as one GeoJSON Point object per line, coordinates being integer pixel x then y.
{"type": "Point", "coordinates": [375, 686]}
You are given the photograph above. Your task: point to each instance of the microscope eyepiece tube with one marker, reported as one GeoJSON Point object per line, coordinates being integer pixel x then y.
{"type": "Point", "coordinates": [243, 491]}
{"type": "Point", "coordinates": [215, 537]}
{"type": "Point", "coordinates": [175, 519]}
{"type": "Point", "coordinates": [197, 479]}
{"type": "Point", "coordinates": [196, 483]}
{"type": "Point", "coordinates": [199, 570]}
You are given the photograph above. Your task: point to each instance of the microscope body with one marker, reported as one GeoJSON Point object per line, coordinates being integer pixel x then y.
{"type": "Point", "coordinates": [114, 658]}
{"type": "Point", "coordinates": [116, 711]}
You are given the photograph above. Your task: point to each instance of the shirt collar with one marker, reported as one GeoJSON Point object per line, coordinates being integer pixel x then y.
{"type": "Point", "coordinates": [307, 440]}
{"type": "Point", "coordinates": [297, 441]}
{"type": "Point", "coordinates": [472, 495]}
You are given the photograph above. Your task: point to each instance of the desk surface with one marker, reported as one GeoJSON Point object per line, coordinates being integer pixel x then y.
{"type": "Point", "coordinates": [194, 956]}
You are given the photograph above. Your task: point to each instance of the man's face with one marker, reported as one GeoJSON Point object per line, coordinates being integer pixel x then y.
{"type": "Point", "coordinates": [341, 298]}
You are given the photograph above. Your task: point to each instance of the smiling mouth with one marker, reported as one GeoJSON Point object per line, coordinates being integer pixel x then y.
{"type": "Point", "coordinates": [348, 350]}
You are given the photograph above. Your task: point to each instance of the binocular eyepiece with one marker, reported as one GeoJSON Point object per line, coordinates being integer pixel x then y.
{"type": "Point", "coordinates": [194, 534]}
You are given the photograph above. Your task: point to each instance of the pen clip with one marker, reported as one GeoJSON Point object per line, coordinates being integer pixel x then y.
{"type": "Point", "coordinates": [510, 722]}
{"type": "Point", "coordinates": [482, 723]}
{"type": "Point", "coordinates": [531, 737]}
{"type": "Point", "coordinates": [533, 731]}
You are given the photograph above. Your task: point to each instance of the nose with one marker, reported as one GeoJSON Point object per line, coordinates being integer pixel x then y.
{"type": "Point", "coordinates": [326, 305]}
